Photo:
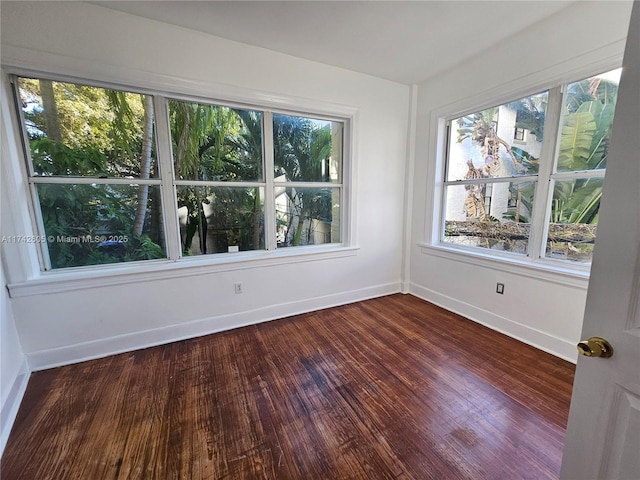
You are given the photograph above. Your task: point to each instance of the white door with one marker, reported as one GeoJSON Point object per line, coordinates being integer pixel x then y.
{"type": "Point", "coordinates": [603, 435]}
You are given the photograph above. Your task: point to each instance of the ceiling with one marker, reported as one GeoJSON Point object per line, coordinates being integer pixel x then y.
{"type": "Point", "coordinates": [402, 41]}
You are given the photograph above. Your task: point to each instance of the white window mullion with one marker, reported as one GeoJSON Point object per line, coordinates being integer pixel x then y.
{"type": "Point", "coordinates": [544, 189]}
{"type": "Point", "coordinates": [206, 183]}
{"type": "Point", "coordinates": [444, 146]}
{"type": "Point", "coordinates": [576, 174]}
{"type": "Point", "coordinates": [269, 196]}
{"type": "Point", "coordinates": [492, 180]}
{"type": "Point", "coordinates": [167, 188]}
{"type": "Point", "coordinates": [307, 184]}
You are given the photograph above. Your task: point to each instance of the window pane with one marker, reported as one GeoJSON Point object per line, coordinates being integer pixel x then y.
{"type": "Point", "coordinates": [76, 130]}
{"type": "Point", "coordinates": [490, 215]}
{"type": "Point", "coordinates": [215, 143]}
{"type": "Point", "coordinates": [586, 125]}
{"type": "Point", "coordinates": [220, 219]}
{"type": "Point", "coordinates": [502, 141]}
{"type": "Point", "coordinates": [99, 224]}
{"type": "Point", "coordinates": [574, 216]}
{"type": "Point", "coordinates": [307, 216]}
{"type": "Point", "coordinates": [307, 150]}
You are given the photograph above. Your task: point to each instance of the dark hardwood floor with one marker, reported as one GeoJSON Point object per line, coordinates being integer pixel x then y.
{"type": "Point", "coordinates": [387, 388]}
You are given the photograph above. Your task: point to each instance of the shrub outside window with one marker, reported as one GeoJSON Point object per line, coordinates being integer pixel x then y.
{"type": "Point", "coordinates": [107, 187]}
{"type": "Point", "coordinates": [514, 183]}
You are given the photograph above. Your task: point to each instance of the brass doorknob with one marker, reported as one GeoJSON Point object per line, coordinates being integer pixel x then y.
{"type": "Point", "coordinates": [595, 347]}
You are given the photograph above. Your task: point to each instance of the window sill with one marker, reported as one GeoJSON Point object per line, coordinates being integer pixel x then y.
{"type": "Point", "coordinates": [104, 276]}
{"type": "Point", "coordinates": [547, 271]}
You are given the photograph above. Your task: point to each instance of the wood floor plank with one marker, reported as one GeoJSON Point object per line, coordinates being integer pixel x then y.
{"type": "Point", "coordinates": [389, 388]}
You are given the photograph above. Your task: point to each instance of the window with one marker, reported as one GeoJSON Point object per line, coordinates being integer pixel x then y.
{"type": "Point", "coordinates": [307, 174]}
{"type": "Point", "coordinates": [93, 173]}
{"type": "Point", "coordinates": [217, 160]}
{"type": "Point", "coordinates": [516, 183]}
{"type": "Point", "coordinates": [109, 185]}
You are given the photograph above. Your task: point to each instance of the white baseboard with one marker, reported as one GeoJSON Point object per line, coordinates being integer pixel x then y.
{"type": "Point", "coordinates": [536, 338]}
{"type": "Point", "coordinates": [12, 403]}
{"type": "Point", "coordinates": [66, 355]}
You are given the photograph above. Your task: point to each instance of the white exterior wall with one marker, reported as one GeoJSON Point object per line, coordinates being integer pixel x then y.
{"type": "Point", "coordinates": [72, 321]}
{"type": "Point", "coordinates": [542, 308]}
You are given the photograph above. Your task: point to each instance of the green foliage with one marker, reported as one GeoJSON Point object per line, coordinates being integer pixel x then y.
{"type": "Point", "coordinates": [89, 225]}
{"type": "Point", "coordinates": [90, 119]}
{"type": "Point", "coordinates": [584, 145]}
{"type": "Point", "coordinates": [143, 248]}
{"type": "Point", "coordinates": [477, 126]}
{"type": "Point", "coordinates": [528, 162]}
{"type": "Point", "coordinates": [575, 141]}
{"type": "Point", "coordinates": [577, 201]}
{"type": "Point", "coordinates": [100, 137]}
{"type": "Point", "coordinates": [54, 158]}
{"type": "Point", "coordinates": [215, 143]}
{"type": "Point", "coordinates": [531, 114]}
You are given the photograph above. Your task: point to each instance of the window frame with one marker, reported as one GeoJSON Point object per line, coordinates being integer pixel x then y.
{"type": "Point", "coordinates": [175, 263]}
{"type": "Point", "coordinates": [536, 258]}
{"type": "Point", "coordinates": [35, 180]}
{"type": "Point", "coordinates": [339, 185]}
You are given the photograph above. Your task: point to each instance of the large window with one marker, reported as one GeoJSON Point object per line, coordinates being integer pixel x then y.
{"type": "Point", "coordinates": [118, 176]}
{"type": "Point", "coordinates": [525, 177]}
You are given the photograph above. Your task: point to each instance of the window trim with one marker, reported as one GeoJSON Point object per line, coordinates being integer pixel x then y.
{"type": "Point", "coordinates": [207, 92]}
{"type": "Point", "coordinates": [551, 79]}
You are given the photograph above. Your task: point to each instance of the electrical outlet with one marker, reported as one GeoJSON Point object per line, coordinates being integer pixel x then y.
{"type": "Point", "coordinates": [500, 288]}
{"type": "Point", "coordinates": [238, 287]}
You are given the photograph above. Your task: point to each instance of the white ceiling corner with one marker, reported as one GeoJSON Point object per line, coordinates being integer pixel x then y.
{"type": "Point", "coordinates": [402, 41]}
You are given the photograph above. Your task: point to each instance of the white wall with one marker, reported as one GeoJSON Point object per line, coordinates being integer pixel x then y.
{"type": "Point", "coordinates": [74, 320]}
{"type": "Point", "coordinates": [13, 365]}
{"type": "Point", "coordinates": [14, 370]}
{"type": "Point", "coordinates": [543, 309]}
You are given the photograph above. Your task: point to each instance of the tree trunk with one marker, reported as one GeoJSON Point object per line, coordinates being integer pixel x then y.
{"type": "Point", "coordinates": [145, 166]}
{"type": "Point", "coordinates": [157, 222]}
{"type": "Point", "coordinates": [298, 233]}
{"type": "Point", "coordinates": [51, 119]}
{"type": "Point", "coordinates": [256, 221]}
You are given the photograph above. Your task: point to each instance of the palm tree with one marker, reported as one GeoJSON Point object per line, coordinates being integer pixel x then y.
{"type": "Point", "coordinates": [145, 166]}
{"type": "Point", "coordinates": [481, 128]}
